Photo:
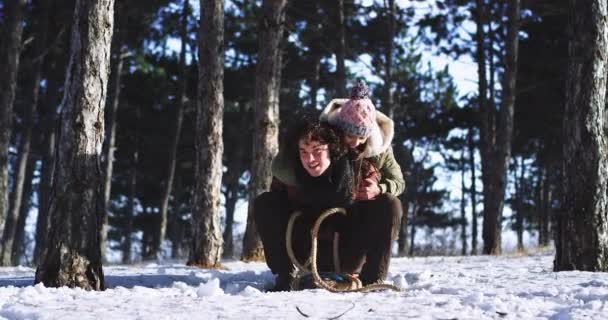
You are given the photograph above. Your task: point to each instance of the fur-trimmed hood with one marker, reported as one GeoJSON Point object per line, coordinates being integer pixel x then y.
{"type": "Point", "coordinates": [382, 132]}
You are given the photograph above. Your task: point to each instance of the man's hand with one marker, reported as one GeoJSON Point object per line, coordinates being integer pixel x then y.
{"type": "Point", "coordinates": [368, 190]}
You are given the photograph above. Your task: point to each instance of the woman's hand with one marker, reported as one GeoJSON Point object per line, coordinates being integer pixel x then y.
{"type": "Point", "coordinates": [368, 189]}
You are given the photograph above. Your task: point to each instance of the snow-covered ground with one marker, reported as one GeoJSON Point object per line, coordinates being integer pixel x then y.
{"type": "Point", "coordinates": [482, 287]}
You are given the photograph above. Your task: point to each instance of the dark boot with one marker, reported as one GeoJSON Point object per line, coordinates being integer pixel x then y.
{"type": "Point", "coordinates": [281, 283]}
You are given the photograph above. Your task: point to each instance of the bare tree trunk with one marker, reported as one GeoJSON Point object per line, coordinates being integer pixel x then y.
{"type": "Point", "coordinates": [582, 237]}
{"type": "Point", "coordinates": [207, 237]}
{"type": "Point", "coordinates": [340, 50]}
{"type": "Point", "coordinates": [486, 132]}
{"type": "Point", "coordinates": [231, 196]}
{"type": "Point", "coordinates": [266, 113]}
{"type": "Point", "coordinates": [315, 79]}
{"type": "Point", "coordinates": [388, 78]}
{"type": "Point", "coordinates": [176, 231]}
{"type": "Point", "coordinates": [8, 237]}
{"type": "Point", "coordinates": [402, 242]}
{"type": "Point", "coordinates": [48, 134]}
{"type": "Point", "coordinates": [72, 257]}
{"type": "Point", "coordinates": [9, 63]}
{"type": "Point", "coordinates": [127, 255]}
{"type": "Point", "coordinates": [471, 147]}
{"type": "Point", "coordinates": [413, 228]}
{"type": "Point", "coordinates": [545, 211]}
{"type": "Point", "coordinates": [49, 122]}
{"type": "Point", "coordinates": [463, 204]}
{"type": "Point", "coordinates": [495, 156]}
{"type": "Point", "coordinates": [18, 250]}
{"type": "Point", "coordinates": [110, 139]}
{"type": "Point", "coordinates": [177, 129]}
{"type": "Point", "coordinates": [519, 214]}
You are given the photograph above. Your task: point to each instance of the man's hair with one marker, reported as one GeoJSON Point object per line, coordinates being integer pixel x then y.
{"type": "Point", "coordinates": [311, 129]}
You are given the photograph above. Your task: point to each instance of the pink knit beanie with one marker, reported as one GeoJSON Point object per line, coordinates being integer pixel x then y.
{"type": "Point", "coordinates": [358, 115]}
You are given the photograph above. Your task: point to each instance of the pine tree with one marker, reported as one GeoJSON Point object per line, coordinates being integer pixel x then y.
{"type": "Point", "coordinates": [266, 113]}
{"type": "Point", "coordinates": [582, 235]}
{"type": "Point", "coordinates": [207, 238]}
{"type": "Point", "coordinates": [72, 256]}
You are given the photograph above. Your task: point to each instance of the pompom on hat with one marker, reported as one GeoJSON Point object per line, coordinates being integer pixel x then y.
{"type": "Point", "coordinates": [358, 115]}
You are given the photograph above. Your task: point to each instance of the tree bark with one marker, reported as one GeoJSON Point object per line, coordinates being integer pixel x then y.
{"type": "Point", "coordinates": [176, 233]}
{"type": "Point", "coordinates": [495, 156]}
{"type": "Point", "coordinates": [18, 250]}
{"type": "Point", "coordinates": [207, 237]}
{"type": "Point", "coordinates": [72, 257]}
{"type": "Point", "coordinates": [519, 208]}
{"type": "Point", "coordinates": [127, 255]}
{"type": "Point", "coordinates": [340, 50]}
{"type": "Point", "coordinates": [176, 131]}
{"type": "Point", "coordinates": [413, 227]}
{"type": "Point", "coordinates": [110, 139]}
{"type": "Point", "coordinates": [9, 63]}
{"type": "Point", "coordinates": [266, 114]}
{"type": "Point", "coordinates": [48, 137]}
{"type": "Point", "coordinates": [402, 242]}
{"type": "Point", "coordinates": [388, 68]}
{"type": "Point", "coordinates": [463, 203]}
{"type": "Point", "coordinates": [582, 237]}
{"type": "Point", "coordinates": [545, 199]}
{"type": "Point", "coordinates": [474, 233]}
{"type": "Point", "coordinates": [315, 79]}
{"type": "Point", "coordinates": [231, 196]}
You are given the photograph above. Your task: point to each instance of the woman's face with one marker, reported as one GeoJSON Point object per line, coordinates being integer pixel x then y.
{"type": "Point", "coordinates": [354, 141]}
{"type": "Point", "coordinates": [314, 156]}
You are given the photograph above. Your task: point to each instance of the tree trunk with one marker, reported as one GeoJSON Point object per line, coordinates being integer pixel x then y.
{"type": "Point", "coordinates": [486, 132]}
{"type": "Point", "coordinates": [340, 50]}
{"type": "Point", "coordinates": [18, 250]}
{"type": "Point", "coordinates": [495, 156]}
{"type": "Point", "coordinates": [176, 131]}
{"type": "Point", "coordinates": [127, 255]}
{"type": "Point", "coordinates": [471, 146]}
{"type": "Point", "coordinates": [8, 237]}
{"type": "Point", "coordinates": [9, 63]}
{"type": "Point", "coordinates": [388, 79]}
{"type": "Point", "coordinates": [49, 125]}
{"type": "Point", "coordinates": [402, 242]}
{"type": "Point", "coordinates": [413, 227]}
{"type": "Point", "coordinates": [545, 212]}
{"type": "Point", "coordinates": [463, 204]}
{"type": "Point", "coordinates": [207, 237]}
{"type": "Point", "coordinates": [176, 233]}
{"type": "Point", "coordinates": [519, 214]}
{"type": "Point", "coordinates": [582, 237]}
{"type": "Point", "coordinates": [110, 139]}
{"type": "Point", "coordinates": [315, 79]}
{"type": "Point", "coordinates": [73, 257]}
{"type": "Point", "coordinates": [231, 196]}
{"type": "Point", "coordinates": [266, 114]}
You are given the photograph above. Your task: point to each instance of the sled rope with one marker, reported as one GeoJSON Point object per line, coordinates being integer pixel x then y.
{"type": "Point", "coordinates": [355, 284]}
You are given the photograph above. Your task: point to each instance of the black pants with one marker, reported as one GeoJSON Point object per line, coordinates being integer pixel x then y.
{"type": "Point", "coordinates": [366, 234]}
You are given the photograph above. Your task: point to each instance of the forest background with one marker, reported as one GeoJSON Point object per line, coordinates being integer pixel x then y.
{"type": "Point", "coordinates": [450, 135]}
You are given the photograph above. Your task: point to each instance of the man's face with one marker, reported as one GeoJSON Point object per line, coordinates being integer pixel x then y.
{"type": "Point", "coordinates": [354, 141]}
{"type": "Point", "coordinates": [314, 156]}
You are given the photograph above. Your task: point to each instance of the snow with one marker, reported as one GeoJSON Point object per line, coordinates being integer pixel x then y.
{"type": "Point", "coordinates": [480, 287]}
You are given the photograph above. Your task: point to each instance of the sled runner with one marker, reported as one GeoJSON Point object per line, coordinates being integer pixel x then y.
{"type": "Point", "coordinates": [305, 278]}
